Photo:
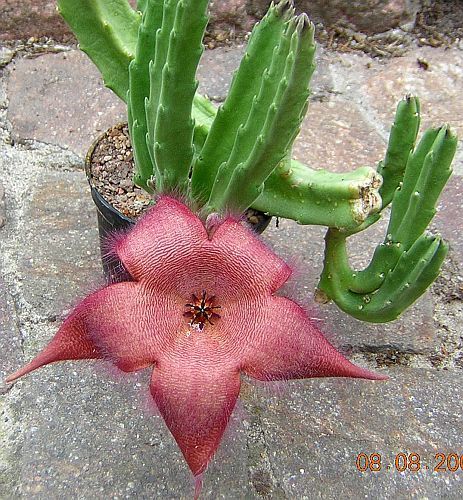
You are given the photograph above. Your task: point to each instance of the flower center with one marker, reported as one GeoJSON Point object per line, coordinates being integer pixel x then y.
{"type": "Point", "coordinates": [202, 310]}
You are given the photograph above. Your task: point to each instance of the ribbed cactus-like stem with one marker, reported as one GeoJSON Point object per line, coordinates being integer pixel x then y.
{"type": "Point", "coordinates": [107, 32]}
{"type": "Point", "coordinates": [408, 260]}
{"type": "Point", "coordinates": [401, 142]}
{"type": "Point", "coordinates": [139, 85]}
{"type": "Point", "coordinates": [282, 122]}
{"type": "Point", "coordinates": [428, 170]}
{"type": "Point", "coordinates": [174, 127]}
{"type": "Point", "coordinates": [235, 110]}
{"type": "Point", "coordinates": [203, 113]}
{"type": "Point", "coordinates": [156, 67]}
{"type": "Point", "coordinates": [248, 132]}
{"type": "Point", "coordinates": [413, 272]}
{"type": "Point", "coordinates": [339, 200]}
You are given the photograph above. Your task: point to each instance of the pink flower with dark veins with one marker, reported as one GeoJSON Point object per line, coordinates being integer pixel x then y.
{"type": "Point", "coordinates": [201, 310]}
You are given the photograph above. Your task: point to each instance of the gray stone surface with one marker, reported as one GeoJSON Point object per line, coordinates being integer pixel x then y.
{"type": "Point", "coordinates": [448, 222]}
{"type": "Point", "coordinates": [78, 430]}
{"type": "Point", "coordinates": [60, 99]}
{"type": "Point", "coordinates": [11, 357]}
{"type": "Point", "coordinates": [314, 446]}
{"type": "Point", "coordinates": [61, 246]}
{"type": "Point", "coordinates": [2, 206]}
{"type": "Point", "coordinates": [438, 87]}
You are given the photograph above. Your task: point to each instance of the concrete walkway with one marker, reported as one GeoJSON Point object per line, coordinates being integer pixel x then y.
{"type": "Point", "coordinates": [78, 430]}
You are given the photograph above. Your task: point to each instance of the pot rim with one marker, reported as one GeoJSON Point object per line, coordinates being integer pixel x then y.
{"type": "Point", "coordinates": [108, 211]}
{"type": "Point", "coordinates": [101, 202]}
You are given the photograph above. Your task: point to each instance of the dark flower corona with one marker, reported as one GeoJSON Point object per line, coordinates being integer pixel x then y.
{"type": "Point", "coordinates": [201, 311]}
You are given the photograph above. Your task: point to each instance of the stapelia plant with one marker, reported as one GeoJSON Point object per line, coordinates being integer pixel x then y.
{"type": "Point", "coordinates": [199, 303]}
{"type": "Point", "coordinates": [239, 155]}
{"type": "Point", "coordinates": [202, 309]}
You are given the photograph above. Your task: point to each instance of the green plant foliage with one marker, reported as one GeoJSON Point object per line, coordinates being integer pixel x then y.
{"type": "Point", "coordinates": [174, 126]}
{"type": "Point", "coordinates": [244, 87]}
{"type": "Point", "coordinates": [139, 90]}
{"type": "Point", "coordinates": [408, 260]}
{"type": "Point", "coordinates": [273, 122]}
{"type": "Point", "coordinates": [239, 155]}
{"type": "Point", "coordinates": [339, 200]}
{"type": "Point", "coordinates": [107, 32]}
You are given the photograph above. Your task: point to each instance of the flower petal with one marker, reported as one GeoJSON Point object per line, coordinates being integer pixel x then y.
{"type": "Point", "coordinates": [71, 342]}
{"type": "Point", "coordinates": [247, 263]}
{"type": "Point", "coordinates": [170, 251]}
{"type": "Point", "coordinates": [117, 323]}
{"type": "Point", "coordinates": [195, 389]}
{"type": "Point", "coordinates": [164, 238]}
{"type": "Point", "coordinates": [283, 343]}
{"type": "Point", "coordinates": [136, 326]}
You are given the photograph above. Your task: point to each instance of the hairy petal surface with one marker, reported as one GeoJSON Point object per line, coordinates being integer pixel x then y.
{"type": "Point", "coordinates": [165, 238]}
{"type": "Point", "coordinates": [71, 342]}
{"type": "Point", "coordinates": [246, 262]}
{"type": "Point", "coordinates": [283, 343]}
{"type": "Point", "coordinates": [103, 326]}
{"type": "Point", "coordinates": [170, 251]}
{"type": "Point", "coordinates": [195, 389]}
{"type": "Point", "coordinates": [138, 326]}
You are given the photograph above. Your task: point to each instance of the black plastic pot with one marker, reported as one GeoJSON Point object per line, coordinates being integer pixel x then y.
{"type": "Point", "coordinates": [111, 220]}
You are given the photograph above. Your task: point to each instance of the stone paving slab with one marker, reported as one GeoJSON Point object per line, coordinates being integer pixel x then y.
{"type": "Point", "coordinates": [449, 219]}
{"type": "Point", "coordinates": [60, 99]}
{"type": "Point", "coordinates": [335, 136]}
{"type": "Point", "coordinates": [10, 345]}
{"type": "Point", "coordinates": [26, 18]}
{"type": "Point", "coordinates": [316, 430]}
{"type": "Point", "coordinates": [2, 206]}
{"type": "Point", "coordinates": [368, 16]}
{"type": "Point", "coordinates": [438, 87]}
{"type": "Point", "coordinates": [10, 358]}
{"type": "Point", "coordinates": [61, 251]}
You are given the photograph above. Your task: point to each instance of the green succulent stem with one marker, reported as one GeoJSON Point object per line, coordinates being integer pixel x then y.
{"type": "Point", "coordinates": [141, 5]}
{"type": "Point", "coordinates": [402, 140]}
{"type": "Point", "coordinates": [174, 128]}
{"type": "Point", "coordinates": [414, 271]}
{"type": "Point", "coordinates": [156, 67]}
{"type": "Point", "coordinates": [139, 86]}
{"type": "Point", "coordinates": [234, 111]}
{"type": "Point", "coordinates": [107, 32]}
{"type": "Point", "coordinates": [408, 260]}
{"type": "Point", "coordinates": [248, 133]}
{"type": "Point", "coordinates": [340, 200]}
{"type": "Point", "coordinates": [283, 117]}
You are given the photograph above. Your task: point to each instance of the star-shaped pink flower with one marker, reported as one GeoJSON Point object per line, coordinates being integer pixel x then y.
{"type": "Point", "coordinates": [202, 310]}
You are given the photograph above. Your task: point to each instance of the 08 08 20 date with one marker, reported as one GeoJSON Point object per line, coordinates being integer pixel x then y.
{"type": "Point", "coordinates": [409, 462]}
